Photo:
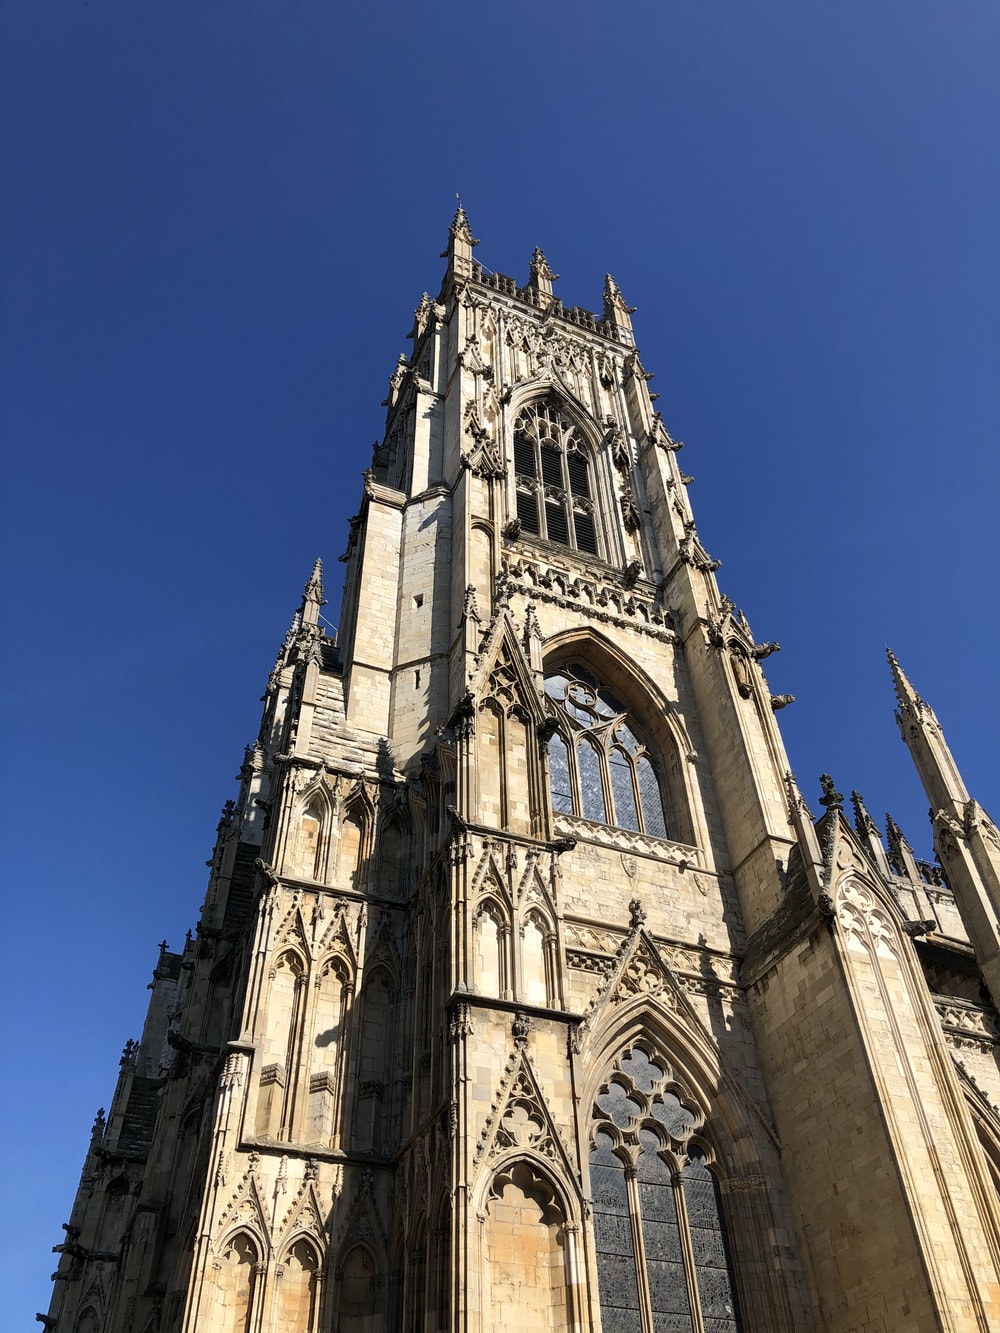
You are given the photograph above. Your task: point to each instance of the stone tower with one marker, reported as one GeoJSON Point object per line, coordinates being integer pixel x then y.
{"type": "Point", "coordinates": [526, 993]}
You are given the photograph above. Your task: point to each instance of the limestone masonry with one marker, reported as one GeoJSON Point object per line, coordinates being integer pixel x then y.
{"type": "Point", "coordinates": [527, 994]}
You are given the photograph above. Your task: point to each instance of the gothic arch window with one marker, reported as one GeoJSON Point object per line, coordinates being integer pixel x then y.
{"type": "Point", "coordinates": [662, 1254]}
{"type": "Point", "coordinates": [553, 477]}
{"type": "Point", "coordinates": [600, 766]}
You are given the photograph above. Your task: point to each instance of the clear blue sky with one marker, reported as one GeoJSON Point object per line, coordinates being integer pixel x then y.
{"type": "Point", "coordinates": [219, 215]}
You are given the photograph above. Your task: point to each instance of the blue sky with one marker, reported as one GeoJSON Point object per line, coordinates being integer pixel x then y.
{"type": "Point", "coordinates": [219, 216]}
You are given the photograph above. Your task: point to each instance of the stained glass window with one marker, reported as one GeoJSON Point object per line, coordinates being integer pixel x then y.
{"type": "Point", "coordinates": [599, 766]}
{"type": "Point", "coordinates": [663, 1217]}
{"type": "Point", "coordinates": [552, 478]}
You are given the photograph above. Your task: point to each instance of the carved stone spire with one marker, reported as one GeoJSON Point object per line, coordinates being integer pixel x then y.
{"type": "Point", "coordinates": [908, 699]}
{"type": "Point", "coordinates": [461, 243]}
{"type": "Point", "coordinates": [868, 832]}
{"type": "Point", "coordinates": [617, 313]}
{"type": "Point", "coordinates": [312, 596]}
{"type": "Point", "coordinates": [542, 276]}
{"type": "Point", "coordinates": [863, 822]}
{"type": "Point", "coordinates": [899, 851]}
{"type": "Point", "coordinates": [923, 737]}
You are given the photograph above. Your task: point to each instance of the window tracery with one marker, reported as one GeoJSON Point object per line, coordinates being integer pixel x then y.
{"type": "Point", "coordinates": [662, 1257]}
{"type": "Point", "coordinates": [599, 767]}
{"type": "Point", "coordinates": [552, 477]}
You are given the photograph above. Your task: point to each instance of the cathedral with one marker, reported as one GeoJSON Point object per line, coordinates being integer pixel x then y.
{"type": "Point", "coordinates": [527, 993]}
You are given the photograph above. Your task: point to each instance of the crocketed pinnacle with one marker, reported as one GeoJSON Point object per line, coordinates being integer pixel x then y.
{"type": "Point", "coordinates": [906, 695]}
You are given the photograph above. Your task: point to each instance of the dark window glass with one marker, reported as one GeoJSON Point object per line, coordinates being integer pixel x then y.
{"type": "Point", "coordinates": [667, 1220]}
{"type": "Point", "coordinates": [527, 510]}
{"type": "Point", "coordinates": [626, 815]}
{"type": "Point", "coordinates": [708, 1245]}
{"type": "Point", "coordinates": [613, 779]}
{"type": "Point", "coordinates": [548, 458]}
{"type": "Point", "coordinates": [668, 1293]}
{"type": "Point", "coordinates": [591, 782]}
{"type": "Point", "coordinates": [562, 791]}
{"type": "Point", "coordinates": [555, 519]}
{"type": "Point", "coordinates": [524, 456]}
{"type": "Point", "coordinates": [586, 533]}
{"type": "Point", "coordinates": [677, 1119]}
{"type": "Point", "coordinates": [650, 798]}
{"type": "Point", "coordinates": [579, 479]}
{"type": "Point", "coordinates": [552, 466]}
{"type": "Point", "coordinates": [616, 1274]}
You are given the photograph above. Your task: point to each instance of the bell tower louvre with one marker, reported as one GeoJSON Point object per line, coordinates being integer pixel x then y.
{"type": "Point", "coordinates": [527, 992]}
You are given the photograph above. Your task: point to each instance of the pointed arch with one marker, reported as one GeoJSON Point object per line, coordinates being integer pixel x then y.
{"type": "Point", "coordinates": [554, 455]}
{"type": "Point", "coordinates": [284, 1015]}
{"type": "Point", "coordinates": [297, 1295]}
{"type": "Point", "coordinates": [236, 1282]}
{"type": "Point", "coordinates": [528, 1248]}
{"type": "Point", "coordinates": [643, 761]}
{"type": "Point", "coordinates": [310, 840]}
{"type": "Point", "coordinates": [376, 1051]}
{"type": "Point", "coordinates": [659, 1234]}
{"type": "Point", "coordinates": [491, 946]}
{"type": "Point", "coordinates": [395, 854]}
{"type": "Point", "coordinates": [360, 1307]}
{"type": "Point", "coordinates": [357, 819]}
{"type": "Point", "coordinates": [332, 1004]}
{"type": "Point", "coordinates": [537, 971]}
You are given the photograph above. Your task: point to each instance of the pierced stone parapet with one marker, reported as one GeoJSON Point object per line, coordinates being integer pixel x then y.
{"type": "Point", "coordinates": [968, 1025]}
{"type": "Point", "coordinates": [624, 840]}
{"type": "Point", "coordinates": [608, 599]}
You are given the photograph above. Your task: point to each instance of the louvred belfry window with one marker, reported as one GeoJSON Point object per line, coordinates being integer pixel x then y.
{"type": "Point", "coordinates": [552, 476]}
{"type": "Point", "coordinates": [599, 766]}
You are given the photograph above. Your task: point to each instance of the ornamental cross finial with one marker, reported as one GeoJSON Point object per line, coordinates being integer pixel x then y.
{"type": "Point", "coordinates": [831, 798]}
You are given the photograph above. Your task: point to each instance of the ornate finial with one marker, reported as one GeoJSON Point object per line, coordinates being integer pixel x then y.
{"type": "Point", "coordinates": [613, 297]}
{"type": "Point", "coordinates": [313, 591]}
{"type": "Point", "coordinates": [906, 695]}
{"type": "Point", "coordinates": [636, 913]}
{"type": "Point", "coordinates": [863, 821]}
{"type": "Point", "coordinates": [894, 835]}
{"type": "Point", "coordinates": [461, 243]}
{"type": "Point", "coordinates": [532, 629]}
{"type": "Point", "coordinates": [460, 230]}
{"type": "Point", "coordinates": [831, 798]}
{"type": "Point", "coordinates": [617, 313]}
{"type": "Point", "coordinates": [97, 1130]}
{"type": "Point", "coordinates": [540, 270]}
